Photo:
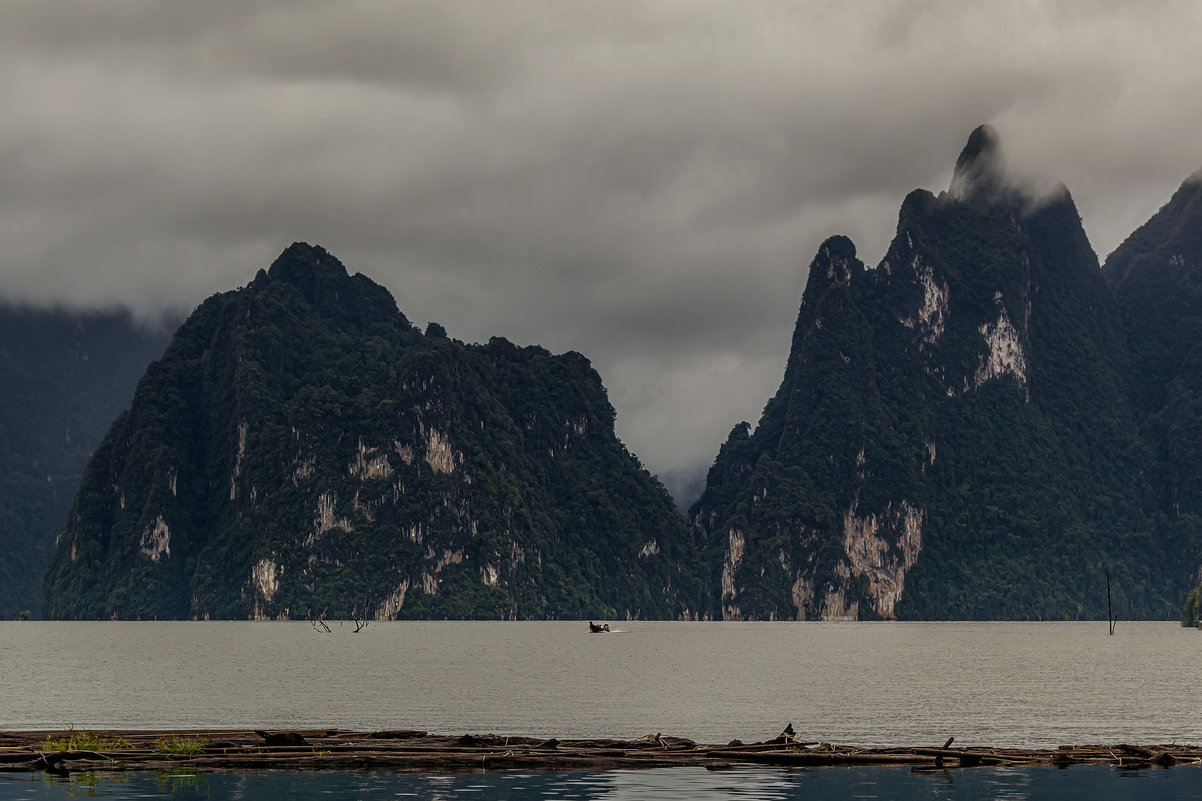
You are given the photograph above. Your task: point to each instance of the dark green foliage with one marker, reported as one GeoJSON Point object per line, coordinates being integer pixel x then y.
{"type": "Point", "coordinates": [952, 438]}
{"type": "Point", "coordinates": [1156, 275]}
{"type": "Point", "coordinates": [1191, 615]}
{"type": "Point", "coordinates": [66, 375]}
{"type": "Point", "coordinates": [301, 448]}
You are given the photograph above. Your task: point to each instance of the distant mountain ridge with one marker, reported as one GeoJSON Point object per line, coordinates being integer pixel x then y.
{"type": "Point", "coordinates": [67, 374]}
{"type": "Point", "coordinates": [301, 448]}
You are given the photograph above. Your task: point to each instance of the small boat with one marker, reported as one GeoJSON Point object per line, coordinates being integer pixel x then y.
{"type": "Point", "coordinates": [595, 629]}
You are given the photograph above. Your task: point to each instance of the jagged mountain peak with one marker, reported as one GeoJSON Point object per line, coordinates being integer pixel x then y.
{"type": "Point", "coordinates": [837, 247]}
{"type": "Point", "coordinates": [926, 442]}
{"type": "Point", "coordinates": [301, 447]}
{"type": "Point", "coordinates": [983, 143]}
{"type": "Point", "coordinates": [835, 262]}
{"type": "Point", "coordinates": [301, 263]}
{"type": "Point", "coordinates": [981, 167]}
{"type": "Point", "coordinates": [1176, 229]}
{"type": "Point", "coordinates": [984, 173]}
{"type": "Point", "coordinates": [1156, 277]}
{"type": "Point", "coordinates": [327, 285]}
{"type": "Point", "coordinates": [1189, 194]}
{"type": "Point", "coordinates": [1190, 189]}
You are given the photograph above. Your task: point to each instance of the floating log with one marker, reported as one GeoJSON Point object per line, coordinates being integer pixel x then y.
{"type": "Point", "coordinates": [284, 738]}
{"type": "Point", "coordinates": [404, 749]}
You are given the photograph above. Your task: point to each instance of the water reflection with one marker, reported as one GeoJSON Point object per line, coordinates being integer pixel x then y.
{"type": "Point", "coordinates": [670, 784]}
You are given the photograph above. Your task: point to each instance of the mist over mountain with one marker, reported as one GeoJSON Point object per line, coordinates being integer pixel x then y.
{"type": "Point", "coordinates": [984, 425]}
{"type": "Point", "coordinates": [953, 436]}
{"type": "Point", "coordinates": [643, 183]}
{"type": "Point", "coordinates": [66, 375]}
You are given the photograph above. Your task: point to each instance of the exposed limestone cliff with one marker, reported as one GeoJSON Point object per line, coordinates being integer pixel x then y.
{"type": "Point", "coordinates": [156, 540]}
{"type": "Point", "coordinates": [881, 550]}
{"type": "Point", "coordinates": [927, 453]}
{"type": "Point", "coordinates": [1004, 351]}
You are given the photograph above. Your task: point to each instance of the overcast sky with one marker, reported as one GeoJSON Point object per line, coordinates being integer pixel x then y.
{"type": "Point", "coordinates": [645, 183]}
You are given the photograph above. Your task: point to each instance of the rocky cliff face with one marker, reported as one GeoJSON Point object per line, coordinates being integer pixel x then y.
{"type": "Point", "coordinates": [301, 448]}
{"type": "Point", "coordinates": [951, 438]}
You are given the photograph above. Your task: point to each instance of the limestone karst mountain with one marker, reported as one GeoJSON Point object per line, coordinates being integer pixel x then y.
{"type": "Point", "coordinates": [983, 425]}
{"type": "Point", "coordinates": [952, 438]}
{"type": "Point", "coordinates": [301, 448]}
{"type": "Point", "coordinates": [1156, 276]}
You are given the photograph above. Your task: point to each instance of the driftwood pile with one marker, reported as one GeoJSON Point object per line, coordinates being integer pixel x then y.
{"type": "Point", "coordinates": [325, 749]}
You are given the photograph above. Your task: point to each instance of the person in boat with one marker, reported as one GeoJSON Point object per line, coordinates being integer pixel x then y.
{"type": "Point", "coordinates": [594, 628]}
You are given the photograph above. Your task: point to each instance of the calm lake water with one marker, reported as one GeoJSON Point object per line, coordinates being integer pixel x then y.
{"type": "Point", "coordinates": [671, 784]}
{"type": "Point", "coordinates": [1009, 684]}
{"type": "Point", "coordinates": [1013, 684]}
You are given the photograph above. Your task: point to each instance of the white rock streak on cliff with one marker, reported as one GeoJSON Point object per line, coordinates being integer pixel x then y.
{"type": "Point", "coordinates": [1005, 351]}
{"type": "Point", "coordinates": [884, 564]}
{"type": "Point", "coordinates": [156, 539]}
{"type": "Point", "coordinates": [734, 555]}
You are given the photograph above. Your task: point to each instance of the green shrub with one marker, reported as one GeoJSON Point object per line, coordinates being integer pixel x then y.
{"type": "Point", "coordinates": [177, 744]}
{"type": "Point", "coordinates": [1190, 615]}
{"type": "Point", "coordinates": [83, 740]}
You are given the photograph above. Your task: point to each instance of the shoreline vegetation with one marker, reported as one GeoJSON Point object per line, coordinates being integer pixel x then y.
{"type": "Point", "coordinates": [1193, 609]}
{"type": "Point", "coordinates": [65, 752]}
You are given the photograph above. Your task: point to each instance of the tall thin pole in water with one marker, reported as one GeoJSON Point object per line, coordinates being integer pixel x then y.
{"type": "Point", "coordinates": [1109, 614]}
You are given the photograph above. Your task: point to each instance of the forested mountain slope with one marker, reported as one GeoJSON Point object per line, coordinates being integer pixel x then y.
{"type": "Point", "coordinates": [1156, 275]}
{"type": "Point", "coordinates": [301, 448]}
{"type": "Point", "coordinates": [952, 438]}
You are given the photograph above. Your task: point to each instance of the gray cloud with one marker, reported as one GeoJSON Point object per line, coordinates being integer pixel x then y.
{"type": "Point", "coordinates": [644, 183]}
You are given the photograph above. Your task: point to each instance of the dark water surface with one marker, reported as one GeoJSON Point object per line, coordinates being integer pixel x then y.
{"type": "Point", "coordinates": [1004, 684]}
{"type": "Point", "coordinates": [673, 784]}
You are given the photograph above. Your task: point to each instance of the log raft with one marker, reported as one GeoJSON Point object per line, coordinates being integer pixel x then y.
{"type": "Point", "coordinates": [404, 750]}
